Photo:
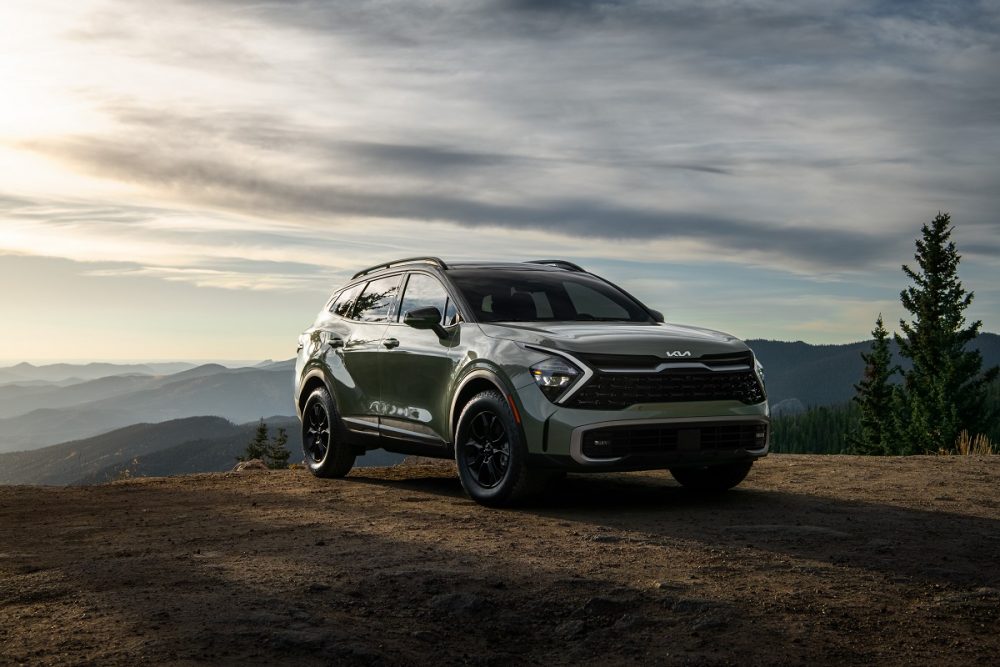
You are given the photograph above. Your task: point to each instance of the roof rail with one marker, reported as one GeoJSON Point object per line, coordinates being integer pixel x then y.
{"type": "Point", "coordinates": [409, 260]}
{"type": "Point", "coordinates": [561, 263]}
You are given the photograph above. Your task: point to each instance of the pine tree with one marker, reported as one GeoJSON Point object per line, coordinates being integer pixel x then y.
{"type": "Point", "coordinates": [277, 455]}
{"type": "Point", "coordinates": [945, 391]}
{"type": "Point", "coordinates": [258, 447]}
{"type": "Point", "coordinates": [875, 393]}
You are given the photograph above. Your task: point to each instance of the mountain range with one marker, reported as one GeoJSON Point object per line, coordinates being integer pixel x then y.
{"type": "Point", "coordinates": [67, 423]}
{"type": "Point", "coordinates": [37, 416]}
{"type": "Point", "coordinates": [800, 375]}
{"type": "Point", "coordinates": [175, 447]}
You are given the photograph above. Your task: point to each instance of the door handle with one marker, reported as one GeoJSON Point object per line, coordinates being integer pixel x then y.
{"type": "Point", "coordinates": [335, 342]}
{"type": "Point", "coordinates": [390, 343]}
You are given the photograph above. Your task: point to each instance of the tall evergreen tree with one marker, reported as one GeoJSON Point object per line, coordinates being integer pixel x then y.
{"type": "Point", "coordinates": [258, 447]}
{"type": "Point", "coordinates": [876, 433]}
{"type": "Point", "coordinates": [945, 391]}
{"type": "Point", "coordinates": [277, 454]}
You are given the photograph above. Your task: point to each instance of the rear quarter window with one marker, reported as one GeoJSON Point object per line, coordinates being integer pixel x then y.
{"type": "Point", "coordinates": [342, 302]}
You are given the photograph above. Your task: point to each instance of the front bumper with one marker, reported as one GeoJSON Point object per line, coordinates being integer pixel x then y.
{"type": "Point", "coordinates": [642, 437]}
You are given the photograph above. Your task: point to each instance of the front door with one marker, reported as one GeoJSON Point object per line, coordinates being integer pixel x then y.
{"type": "Point", "coordinates": [418, 366]}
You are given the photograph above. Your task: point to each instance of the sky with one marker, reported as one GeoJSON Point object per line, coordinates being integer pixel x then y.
{"type": "Point", "coordinates": [191, 179]}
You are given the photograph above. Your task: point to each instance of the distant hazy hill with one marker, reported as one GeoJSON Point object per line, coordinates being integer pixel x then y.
{"type": "Point", "coordinates": [16, 399]}
{"type": "Point", "coordinates": [800, 375]}
{"type": "Point", "coordinates": [59, 372]}
{"type": "Point", "coordinates": [63, 464]}
{"type": "Point", "coordinates": [180, 446]}
{"type": "Point", "coordinates": [79, 411]}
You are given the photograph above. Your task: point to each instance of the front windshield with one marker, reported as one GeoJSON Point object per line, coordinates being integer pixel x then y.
{"type": "Point", "coordinates": [498, 295]}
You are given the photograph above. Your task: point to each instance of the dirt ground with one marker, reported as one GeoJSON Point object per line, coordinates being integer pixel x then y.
{"type": "Point", "coordinates": [813, 560]}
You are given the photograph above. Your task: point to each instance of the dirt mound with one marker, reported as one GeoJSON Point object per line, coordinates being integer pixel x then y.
{"type": "Point", "coordinates": [822, 560]}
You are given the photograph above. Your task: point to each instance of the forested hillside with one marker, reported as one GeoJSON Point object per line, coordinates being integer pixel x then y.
{"type": "Point", "coordinates": [801, 375]}
{"type": "Point", "coordinates": [822, 430]}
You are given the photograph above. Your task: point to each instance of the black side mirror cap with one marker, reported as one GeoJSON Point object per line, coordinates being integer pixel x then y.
{"type": "Point", "coordinates": [657, 315]}
{"type": "Point", "coordinates": [425, 318]}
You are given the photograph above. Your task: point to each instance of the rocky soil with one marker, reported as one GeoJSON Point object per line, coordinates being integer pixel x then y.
{"type": "Point", "coordinates": [813, 560]}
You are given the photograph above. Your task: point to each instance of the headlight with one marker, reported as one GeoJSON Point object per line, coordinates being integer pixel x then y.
{"type": "Point", "coordinates": [554, 376]}
{"type": "Point", "coordinates": [760, 371]}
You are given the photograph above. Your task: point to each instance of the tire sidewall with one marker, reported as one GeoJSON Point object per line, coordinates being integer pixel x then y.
{"type": "Point", "coordinates": [339, 458]}
{"type": "Point", "coordinates": [516, 469]}
{"type": "Point", "coordinates": [323, 397]}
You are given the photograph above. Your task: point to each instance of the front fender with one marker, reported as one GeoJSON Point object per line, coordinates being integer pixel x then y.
{"type": "Point", "coordinates": [477, 372]}
{"type": "Point", "coordinates": [312, 376]}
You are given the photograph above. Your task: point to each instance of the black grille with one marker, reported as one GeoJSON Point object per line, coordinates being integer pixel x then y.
{"type": "Point", "coordinates": [615, 391]}
{"type": "Point", "coordinates": [617, 441]}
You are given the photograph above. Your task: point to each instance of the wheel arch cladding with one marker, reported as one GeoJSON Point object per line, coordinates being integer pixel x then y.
{"type": "Point", "coordinates": [476, 383]}
{"type": "Point", "coordinates": [311, 384]}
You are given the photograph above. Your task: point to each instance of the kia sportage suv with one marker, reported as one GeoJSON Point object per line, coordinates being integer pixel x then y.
{"type": "Point", "coordinates": [520, 372]}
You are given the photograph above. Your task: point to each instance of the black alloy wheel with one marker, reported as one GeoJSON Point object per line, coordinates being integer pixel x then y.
{"type": "Point", "coordinates": [324, 438]}
{"type": "Point", "coordinates": [316, 424]}
{"type": "Point", "coordinates": [491, 454]}
{"type": "Point", "coordinates": [487, 449]}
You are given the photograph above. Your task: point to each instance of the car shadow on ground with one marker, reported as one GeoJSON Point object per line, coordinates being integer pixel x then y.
{"type": "Point", "coordinates": [904, 543]}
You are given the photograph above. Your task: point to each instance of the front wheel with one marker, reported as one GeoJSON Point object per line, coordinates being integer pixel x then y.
{"type": "Point", "coordinates": [490, 453]}
{"type": "Point", "coordinates": [324, 444]}
{"type": "Point", "coordinates": [712, 478]}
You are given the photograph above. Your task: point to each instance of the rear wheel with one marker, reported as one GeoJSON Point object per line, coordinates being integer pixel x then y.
{"type": "Point", "coordinates": [712, 478]}
{"type": "Point", "coordinates": [324, 442]}
{"type": "Point", "coordinates": [491, 455]}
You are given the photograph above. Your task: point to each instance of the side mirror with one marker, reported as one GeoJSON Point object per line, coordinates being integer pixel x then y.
{"type": "Point", "coordinates": [657, 315]}
{"type": "Point", "coordinates": [425, 318]}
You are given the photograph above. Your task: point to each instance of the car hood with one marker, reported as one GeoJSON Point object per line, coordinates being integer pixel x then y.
{"type": "Point", "coordinates": [620, 338]}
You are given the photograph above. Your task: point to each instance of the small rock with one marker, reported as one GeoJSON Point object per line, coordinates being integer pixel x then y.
{"type": "Point", "coordinates": [252, 464]}
{"type": "Point", "coordinates": [318, 587]}
{"type": "Point", "coordinates": [608, 539]}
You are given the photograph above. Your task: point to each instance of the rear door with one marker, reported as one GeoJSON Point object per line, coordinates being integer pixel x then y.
{"type": "Point", "coordinates": [354, 338]}
{"type": "Point", "coordinates": [418, 366]}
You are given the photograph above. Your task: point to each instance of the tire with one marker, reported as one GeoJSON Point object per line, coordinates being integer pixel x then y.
{"type": "Point", "coordinates": [324, 438]}
{"type": "Point", "coordinates": [491, 455]}
{"type": "Point", "coordinates": [712, 478]}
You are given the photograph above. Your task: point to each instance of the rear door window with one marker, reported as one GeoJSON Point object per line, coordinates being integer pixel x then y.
{"type": "Point", "coordinates": [376, 301]}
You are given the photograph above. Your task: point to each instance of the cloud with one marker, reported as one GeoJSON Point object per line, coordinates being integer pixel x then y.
{"type": "Point", "coordinates": [811, 138]}
{"type": "Point", "coordinates": [220, 184]}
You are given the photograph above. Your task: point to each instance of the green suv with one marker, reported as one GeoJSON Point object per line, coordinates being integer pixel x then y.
{"type": "Point", "coordinates": [522, 372]}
